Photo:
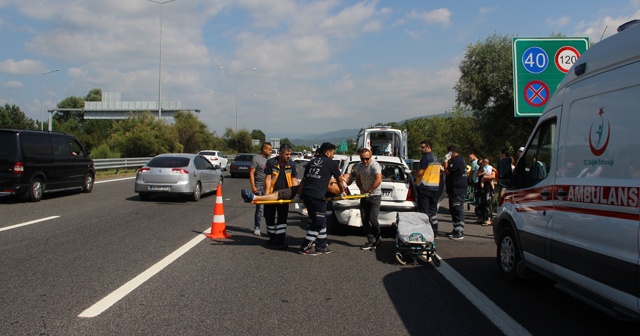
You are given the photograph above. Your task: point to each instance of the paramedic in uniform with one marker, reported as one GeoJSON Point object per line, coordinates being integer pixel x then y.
{"type": "Point", "coordinates": [280, 173]}
{"type": "Point", "coordinates": [428, 184]}
{"type": "Point", "coordinates": [312, 189]}
{"type": "Point", "coordinates": [456, 182]}
{"type": "Point", "coordinates": [368, 180]}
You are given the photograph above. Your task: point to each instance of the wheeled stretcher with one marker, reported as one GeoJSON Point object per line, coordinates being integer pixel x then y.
{"type": "Point", "coordinates": [415, 239]}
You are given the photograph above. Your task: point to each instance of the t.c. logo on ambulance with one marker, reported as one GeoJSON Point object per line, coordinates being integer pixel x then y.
{"type": "Point", "coordinates": [596, 148]}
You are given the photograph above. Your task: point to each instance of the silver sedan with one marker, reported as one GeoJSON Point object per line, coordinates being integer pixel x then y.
{"type": "Point", "coordinates": [183, 174]}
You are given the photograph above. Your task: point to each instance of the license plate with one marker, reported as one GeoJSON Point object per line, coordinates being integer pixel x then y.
{"type": "Point", "coordinates": [156, 188]}
{"type": "Point", "coordinates": [386, 192]}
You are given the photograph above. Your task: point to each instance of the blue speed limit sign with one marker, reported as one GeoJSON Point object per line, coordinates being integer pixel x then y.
{"type": "Point", "coordinates": [535, 60]}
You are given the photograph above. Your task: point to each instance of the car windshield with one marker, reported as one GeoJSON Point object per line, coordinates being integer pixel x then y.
{"type": "Point", "coordinates": [244, 158]}
{"type": "Point", "coordinates": [391, 172]}
{"type": "Point", "coordinates": [168, 162]}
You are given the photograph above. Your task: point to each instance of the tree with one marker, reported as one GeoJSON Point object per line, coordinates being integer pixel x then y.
{"type": "Point", "coordinates": [486, 88]}
{"type": "Point", "coordinates": [144, 135]}
{"type": "Point", "coordinates": [67, 103]}
{"type": "Point", "coordinates": [12, 117]}
{"type": "Point", "coordinates": [287, 142]}
{"type": "Point", "coordinates": [94, 95]}
{"type": "Point", "coordinates": [193, 134]}
{"type": "Point", "coordinates": [258, 134]}
{"type": "Point", "coordinates": [239, 141]}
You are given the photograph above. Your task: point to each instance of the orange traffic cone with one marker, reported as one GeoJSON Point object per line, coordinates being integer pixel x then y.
{"type": "Point", "coordinates": [218, 225]}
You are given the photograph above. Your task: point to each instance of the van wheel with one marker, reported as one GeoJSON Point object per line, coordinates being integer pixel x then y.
{"type": "Point", "coordinates": [508, 255]}
{"type": "Point", "coordinates": [36, 189]}
{"type": "Point", "coordinates": [144, 196]}
{"type": "Point", "coordinates": [87, 186]}
{"type": "Point", "coordinates": [195, 196]}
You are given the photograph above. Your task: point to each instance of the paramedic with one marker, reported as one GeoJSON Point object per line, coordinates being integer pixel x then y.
{"type": "Point", "coordinates": [280, 173]}
{"type": "Point", "coordinates": [312, 190]}
{"type": "Point", "coordinates": [428, 184]}
{"type": "Point", "coordinates": [456, 183]}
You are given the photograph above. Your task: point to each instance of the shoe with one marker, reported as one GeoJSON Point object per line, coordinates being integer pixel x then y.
{"type": "Point", "coordinates": [247, 195]}
{"type": "Point", "coordinates": [256, 232]}
{"type": "Point", "coordinates": [309, 252]}
{"type": "Point", "coordinates": [325, 250]}
{"type": "Point", "coordinates": [487, 223]}
{"type": "Point", "coordinates": [457, 236]}
{"type": "Point", "coordinates": [305, 212]}
{"type": "Point", "coordinates": [368, 246]}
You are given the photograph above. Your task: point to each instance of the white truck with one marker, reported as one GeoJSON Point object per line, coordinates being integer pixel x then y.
{"type": "Point", "coordinates": [384, 141]}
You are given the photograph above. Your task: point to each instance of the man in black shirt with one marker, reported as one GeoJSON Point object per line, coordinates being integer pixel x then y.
{"type": "Point", "coordinates": [312, 190]}
{"type": "Point", "coordinates": [456, 184]}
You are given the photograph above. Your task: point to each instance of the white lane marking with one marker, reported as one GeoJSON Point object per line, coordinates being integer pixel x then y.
{"type": "Point", "coordinates": [111, 299]}
{"type": "Point", "coordinates": [497, 316]}
{"type": "Point", "coordinates": [28, 223]}
{"type": "Point", "coordinates": [120, 179]}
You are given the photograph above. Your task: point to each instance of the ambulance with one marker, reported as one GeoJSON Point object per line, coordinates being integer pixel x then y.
{"type": "Point", "coordinates": [571, 212]}
{"type": "Point", "coordinates": [384, 141]}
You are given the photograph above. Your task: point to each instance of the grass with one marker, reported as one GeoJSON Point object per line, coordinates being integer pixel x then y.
{"type": "Point", "coordinates": [110, 173]}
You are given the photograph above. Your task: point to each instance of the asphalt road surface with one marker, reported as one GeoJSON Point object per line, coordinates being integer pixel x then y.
{"type": "Point", "coordinates": [107, 263]}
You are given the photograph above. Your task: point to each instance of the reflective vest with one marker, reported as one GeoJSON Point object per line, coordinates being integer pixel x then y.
{"type": "Point", "coordinates": [431, 175]}
{"type": "Point", "coordinates": [275, 172]}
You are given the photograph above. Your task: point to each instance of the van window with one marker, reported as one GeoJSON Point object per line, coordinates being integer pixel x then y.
{"type": "Point", "coordinates": [35, 143]}
{"type": "Point", "coordinates": [537, 161]}
{"type": "Point", "coordinates": [60, 145]}
{"type": "Point", "coordinates": [611, 119]}
{"type": "Point", "coordinates": [76, 149]}
{"type": "Point", "coordinates": [8, 147]}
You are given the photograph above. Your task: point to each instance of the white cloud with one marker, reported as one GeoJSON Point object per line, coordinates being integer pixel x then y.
{"type": "Point", "coordinates": [440, 16]}
{"type": "Point", "coordinates": [345, 83]}
{"type": "Point", "coordinates": [13, 84]}
{"type": "Point", "coordinates": [603, 27]}
{"type": "Point", "coordinates": [23, 67]}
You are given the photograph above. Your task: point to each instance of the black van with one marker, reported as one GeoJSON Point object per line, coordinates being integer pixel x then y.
{"type": "Point", "coordinates": [35, 162]}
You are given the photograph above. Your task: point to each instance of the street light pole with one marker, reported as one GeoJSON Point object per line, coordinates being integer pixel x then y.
{"type": "Point", "coordinates": [161, 3]}
{"type": "Point", "coordinates": [41, 89]}
{"type": "Point", "coordinates": [266, 110]}
{"type": "Point", "coordinates": [237, 79]}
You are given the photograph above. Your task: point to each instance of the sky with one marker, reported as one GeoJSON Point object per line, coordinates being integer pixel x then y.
{"type": "Point", "coordinates": [320, 65]}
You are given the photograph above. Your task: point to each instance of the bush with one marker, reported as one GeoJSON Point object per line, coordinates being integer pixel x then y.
{"type": "Point", "coordinates": [104, 152]}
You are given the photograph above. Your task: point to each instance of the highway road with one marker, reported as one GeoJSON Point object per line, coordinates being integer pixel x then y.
{"type": "Point", "coordinates": [107, 263]}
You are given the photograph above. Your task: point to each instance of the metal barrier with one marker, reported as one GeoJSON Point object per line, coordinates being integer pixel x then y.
{"type": "Point", "coordinates": [120, 163]}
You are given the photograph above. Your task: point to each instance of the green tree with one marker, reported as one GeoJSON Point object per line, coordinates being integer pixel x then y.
{"type": "Point", "coordinates": [144, 135]}
{"type": "Point", "coordinates": [12, 117]}
{"type": "Point", "coordinates": [287, 142]}
{"type": "Point", "coordinates": [193, 134]}
{"type": "Point", "coordinates": [94, 95]}
{"type": "Point", "coordinates": [485, 87]}
{"type": "Point", "coordinates": [240, 141]}
{"type": "Point", "coordinates": [258, 134]}
{"type": "Point", "coordinates": [70, 103]}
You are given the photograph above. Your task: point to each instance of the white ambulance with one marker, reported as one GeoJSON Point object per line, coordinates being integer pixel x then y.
{"type": "Point", "coordinates": [384, 141]}
{"type": "Point", "coordinates": [572, 210]}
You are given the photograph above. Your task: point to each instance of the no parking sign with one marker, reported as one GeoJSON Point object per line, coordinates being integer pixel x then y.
{"type": "Point", "coordinates": [539, 65]}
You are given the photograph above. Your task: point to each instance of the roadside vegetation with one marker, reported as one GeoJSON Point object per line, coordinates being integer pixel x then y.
{"type": "Point", "coordinates": [481, 119]}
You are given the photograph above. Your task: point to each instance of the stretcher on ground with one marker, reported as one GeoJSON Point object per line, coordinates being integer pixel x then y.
{"type": "Point", "coordinates": [415, 239]}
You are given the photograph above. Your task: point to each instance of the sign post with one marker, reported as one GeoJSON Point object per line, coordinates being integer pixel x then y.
{"type": "Point", "coordinates": [539, 65]}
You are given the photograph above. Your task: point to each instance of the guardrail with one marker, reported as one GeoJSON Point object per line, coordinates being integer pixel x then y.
{"type": "Point", "coordinates": [120, 163]}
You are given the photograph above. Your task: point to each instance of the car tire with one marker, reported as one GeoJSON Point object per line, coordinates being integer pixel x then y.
{"type": "Point", "coordinates": [36, 190]}
{"type": "Point", "coordinates": [87, 185]}
{"type": "Point", "coordinates": [197, 192]}
{"type": "Point", "coordinates": [144, 196]}
{"type": "Point", "coordinates": [508, 255]}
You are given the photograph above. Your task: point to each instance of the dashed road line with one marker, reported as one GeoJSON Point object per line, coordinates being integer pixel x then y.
{"type": "Point", "coordinates": [28, 223]}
